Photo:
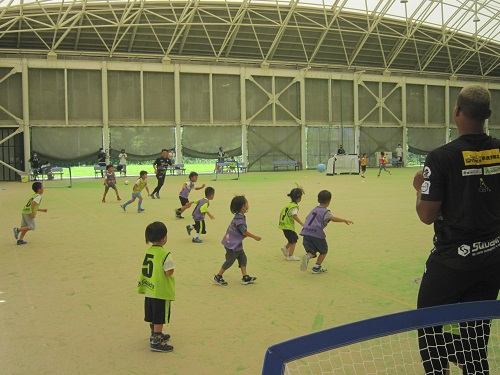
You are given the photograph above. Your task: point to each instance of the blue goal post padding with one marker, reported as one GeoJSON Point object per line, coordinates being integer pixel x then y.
{"type": "Point", "coordinates": [278, 355]}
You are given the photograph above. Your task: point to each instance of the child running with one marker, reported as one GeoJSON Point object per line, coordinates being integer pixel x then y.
{"type": "Point", "coordinates": [288, 217]}
{"type": "Point", "coordinates": [157, 283]}
{"type": "Point", "coordinates": [110, 182]}
{"type": "Point", "coordinates": [233, 242]}
{"type": "Point", "coordinates": [382, 164]}
{"type": "Point", "coordinates": [139, 185]}
{"type": "Point", "coordinates": [184, 194]}
{"type": "Point", "coordinates": [199, 212]}
{"type": "Point", "coordinates": [314, 240]}
{"type": "Point", "coordinates": [29, 213]}
{"type": "Point", "coordinates": [363, 166]}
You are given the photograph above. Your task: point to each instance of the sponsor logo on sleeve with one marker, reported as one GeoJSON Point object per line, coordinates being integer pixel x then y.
{"type": "Point", "coordinates": [427, 172]}
{"type": "Point", "coordinates": [426, 187]}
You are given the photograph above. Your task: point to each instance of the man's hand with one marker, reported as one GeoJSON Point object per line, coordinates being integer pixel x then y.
{"type": "Point", "coordinates": [418, 180]}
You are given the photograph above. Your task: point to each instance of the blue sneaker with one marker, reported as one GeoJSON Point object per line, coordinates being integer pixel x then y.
{"type": "Point", "coordinates": [139, 210]}
{"type": "Point", "coordinates": [318, 270]}
{"type": "Point", "coordinates": [123, 207]}
{"type": "Point", "coordinates": [196, 240]}
{"type": "Point", "coordinates": [189, 229]}
{"type": "Point", "coordinates": [16, 233]}
{"type": "Point", "coordinates": [158, 195]}
{"type": "Point", "coordinates": [21, 242]}
{"type": "Point", "coordinates": [152, 196]}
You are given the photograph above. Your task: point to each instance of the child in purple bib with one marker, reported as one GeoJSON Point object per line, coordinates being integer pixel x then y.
{"type": "Point", "coordinates": [314, 237]}
{"type": "Point", "coordinates": [233, 242]}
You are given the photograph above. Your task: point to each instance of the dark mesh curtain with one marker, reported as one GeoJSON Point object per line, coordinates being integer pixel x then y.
{"type": "Point", "coordinates": [141, 143]}
{"type": "Point", "coordinates": [267, 144]}
{"type": "Point", "coordinates": [66, 145]}
{"type": "Point", "coordinates": [421, 141]}
{"type": "Point", "coordinates": [204, 141]}
{"type": "Point", "coordinates": [379, 139]}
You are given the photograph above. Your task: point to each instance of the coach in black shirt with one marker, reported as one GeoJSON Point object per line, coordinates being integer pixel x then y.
{"type": "Point", "coordinates": [160, 165]}
{"type": "Point", "coordinates": [459, 192]}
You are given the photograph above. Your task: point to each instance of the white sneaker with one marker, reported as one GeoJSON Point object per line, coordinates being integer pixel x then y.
{"type": "Point", "coordinates": [292, 257]}
{"type": "Point", "coordinates": [304, 262]}
{"type": "Point", "coordinates": [284, 250]}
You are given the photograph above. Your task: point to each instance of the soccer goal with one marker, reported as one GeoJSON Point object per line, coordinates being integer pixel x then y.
{"type": "Point", "coordinates": [229, 170]}
{"type": "Point", "coordinates": [343, 164]}
{"type": "Point", "coordinates": [55, 176]}
{"type": "Point", "coordinates": [389, 344]}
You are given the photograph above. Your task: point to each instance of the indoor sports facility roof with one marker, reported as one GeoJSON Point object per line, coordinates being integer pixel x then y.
{"type": "Point", "coordinates": [454, 37]}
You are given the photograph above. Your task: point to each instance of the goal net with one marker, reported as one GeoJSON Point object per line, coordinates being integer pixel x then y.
{"type": "Point", "coordinates": [55, 176]}
{"type": "Point", "coordinates": [459, 339]}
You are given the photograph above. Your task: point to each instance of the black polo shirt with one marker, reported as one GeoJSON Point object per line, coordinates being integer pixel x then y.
{"type": "Point", "coordinates": [162, 163]}
{"type": "Point", "coordinates": [465, 176]}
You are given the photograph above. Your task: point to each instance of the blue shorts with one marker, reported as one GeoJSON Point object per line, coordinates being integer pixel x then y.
{"type": "Point", "coordinates": [382, 166]}
{"type": "Point", "coordinates": [136, 195]}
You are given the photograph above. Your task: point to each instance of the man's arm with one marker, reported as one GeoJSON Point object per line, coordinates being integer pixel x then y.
{"type": "Point", "coordinates": [427, 211]}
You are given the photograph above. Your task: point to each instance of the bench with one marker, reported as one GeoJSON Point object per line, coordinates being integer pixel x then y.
{"type": "Point", "coordinates": [99, 169]}
{"type": "Point", "coordinates": [396, 163]}
{"type": "Point", "coordinates": [285, 163]}
{"type": "Point", "coordinates": [53, 171]}
{"type": "Point", "coordinates": [177, 167]}
{"type": "Point", "coordinates": [242, 167]}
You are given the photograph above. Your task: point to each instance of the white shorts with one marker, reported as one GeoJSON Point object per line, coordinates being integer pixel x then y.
{"type": "Point", "coordinates": [27, 221]}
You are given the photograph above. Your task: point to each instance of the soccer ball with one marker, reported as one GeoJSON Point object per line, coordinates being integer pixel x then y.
{"type": "Point", "coordinates": [126, 182]}
{"type": "Point", "coordinates": [321, 168]}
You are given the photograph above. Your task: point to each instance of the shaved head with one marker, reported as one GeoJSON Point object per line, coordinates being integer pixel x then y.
{"type": "Point", "coordinates": [474, 102]}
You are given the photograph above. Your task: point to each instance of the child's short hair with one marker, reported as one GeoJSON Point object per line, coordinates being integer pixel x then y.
{"type": "Point", "coordinates": [143, 173]}
{"type": "Point", "coordinates": [36, 186]}
{"type": "Point", "coordinates": [237, 203]}
{"type": "Point", "coordinates": [324, 196]}
{"type": "Point", "coordinates": [193, 174]}
{"type": "Point", "coordinates": [164, 149]}
{"type": "Point", "coordinates": [109, 166]}
{"type": "Point", "coordinates": [382, 153]}
{"type": "Point", "coordinates": [155, 232]}
{"type": "Point", "coordinates": [296, 194]}
{"type": "Point", "coordinates": [209, 191]}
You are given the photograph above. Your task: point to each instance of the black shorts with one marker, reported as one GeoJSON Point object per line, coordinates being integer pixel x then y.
{"type": "Point", "coordinates": [363, 168]}
{"type": "Point", "coordinates": [183, 201]}
{"type": "Point", "coordinates": [199, 227]}
{"type": "Point", "coordinates": [156, 311]}
{"type": "Point", "coordinates": [291, 235]}
{"type": "Point", "coordinates": [315, 245]}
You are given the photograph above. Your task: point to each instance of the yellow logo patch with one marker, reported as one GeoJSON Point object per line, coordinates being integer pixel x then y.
{"type": "Point", "coordinates": [481, 157]}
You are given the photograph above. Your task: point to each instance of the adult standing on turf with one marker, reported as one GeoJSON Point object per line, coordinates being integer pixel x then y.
{"type": "Point", "coordinates": [101, 160]}
{"type": "Point", "coordinates": [160, 165]}
{"type": "Point", "coordinates": [123, 161]}
{"type": "Point", "coordinates": [458, 191]}
{"type": "Point", "coordinates": [221, 154]}
{"type": "Point", "coordinates": [399, 154]}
